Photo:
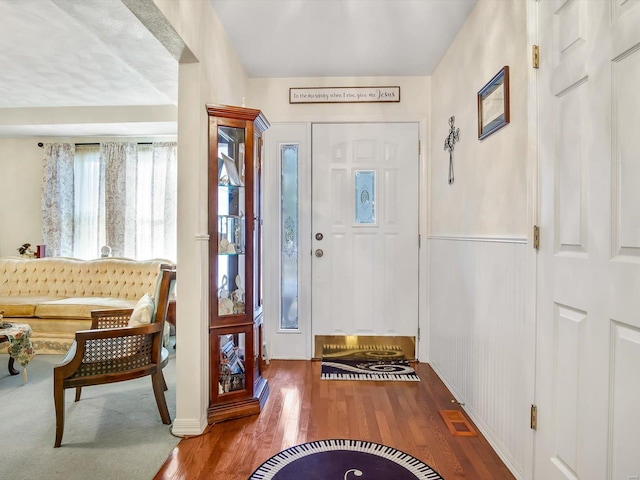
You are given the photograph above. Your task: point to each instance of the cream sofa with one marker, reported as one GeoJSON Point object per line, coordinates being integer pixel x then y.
{"type": "Point", "coordinates": [55, 295]}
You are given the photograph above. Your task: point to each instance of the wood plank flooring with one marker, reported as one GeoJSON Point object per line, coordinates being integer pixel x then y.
{"type": "Point", "coordinates": [302, 408]}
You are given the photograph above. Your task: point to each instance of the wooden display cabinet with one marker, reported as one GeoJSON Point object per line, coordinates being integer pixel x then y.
{"type": "Point", "coordinates": [237, 387]}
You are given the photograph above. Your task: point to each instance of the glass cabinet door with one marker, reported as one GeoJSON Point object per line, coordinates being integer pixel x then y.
{"type": "Point", "coordinates": [232, 377]}
{"type": "Point", "coordinates": [231, 221]}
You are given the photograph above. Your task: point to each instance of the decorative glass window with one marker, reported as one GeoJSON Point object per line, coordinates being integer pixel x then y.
{"type": "Point", "coordinates": [365, 182]}
{"type": "Point", "coordinates": [289, 237]}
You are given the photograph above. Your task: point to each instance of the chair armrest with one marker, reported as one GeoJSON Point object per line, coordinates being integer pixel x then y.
{"type": "Point", "coordinates": [112, 350]}
{"type": "Point", "coordinates": [110, 318]}
{"type": "Point", "coordinates": [117, 332]}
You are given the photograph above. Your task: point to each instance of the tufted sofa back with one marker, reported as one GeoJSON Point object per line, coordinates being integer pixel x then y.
{"type": "Point", "coordinates": [71, 277]}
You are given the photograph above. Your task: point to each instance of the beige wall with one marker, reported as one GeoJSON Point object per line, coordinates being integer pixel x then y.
{"type": "Point", "coordinates": [20, 174]}
{"type": "Point", "coordinates": [488, 197]}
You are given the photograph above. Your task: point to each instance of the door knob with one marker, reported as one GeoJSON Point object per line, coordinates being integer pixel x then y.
{"type": "Point", "coordinates": [319, 253]}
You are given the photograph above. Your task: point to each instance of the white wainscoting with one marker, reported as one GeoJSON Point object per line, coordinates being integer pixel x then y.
{"type": "Point", "coordinates": [477, 336]}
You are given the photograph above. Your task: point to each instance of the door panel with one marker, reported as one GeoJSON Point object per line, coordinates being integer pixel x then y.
{"type": "Point", "coordinates": [589, 259]}
{"type": "Point", "coordinates": [365, 206]}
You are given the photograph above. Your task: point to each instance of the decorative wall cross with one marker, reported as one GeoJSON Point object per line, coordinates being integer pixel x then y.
{"type": "Point", "coordinates": [449, 142]}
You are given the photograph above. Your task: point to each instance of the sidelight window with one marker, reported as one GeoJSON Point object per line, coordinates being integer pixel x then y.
{"type": "Point", "coordinates": [289, 237]}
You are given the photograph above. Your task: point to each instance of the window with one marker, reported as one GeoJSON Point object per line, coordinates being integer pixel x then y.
{"type": "Point", "coordinates": [289, 237]}
{"type": "Point", "coordinates": [124, 197]}
{"type": "Point", "coordinates": [365, 200]}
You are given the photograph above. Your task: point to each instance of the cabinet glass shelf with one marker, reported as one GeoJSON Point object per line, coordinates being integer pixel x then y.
{"type": "Point", "coordinates": [231, 234]}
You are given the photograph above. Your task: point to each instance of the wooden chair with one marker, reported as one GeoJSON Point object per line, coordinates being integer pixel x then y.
{"type": "Point", "coordinates": [111, 351]}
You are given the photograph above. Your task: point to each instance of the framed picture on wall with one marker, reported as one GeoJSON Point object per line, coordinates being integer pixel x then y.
{"type": "Point", "coordinates": [493, 104]}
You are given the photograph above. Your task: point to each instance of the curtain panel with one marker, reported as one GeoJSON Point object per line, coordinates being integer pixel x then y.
{"type": "Point", "coordinates": [57, 198]}
{"type": "Point", "coordinates": [120, 181]}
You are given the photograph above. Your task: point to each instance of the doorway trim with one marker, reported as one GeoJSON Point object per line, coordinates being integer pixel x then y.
{"type": "Point", "coordinates": [533, 199]}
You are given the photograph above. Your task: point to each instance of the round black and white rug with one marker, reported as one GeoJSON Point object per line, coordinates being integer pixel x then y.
{"type": "Point", "coordinates": [343, 460]}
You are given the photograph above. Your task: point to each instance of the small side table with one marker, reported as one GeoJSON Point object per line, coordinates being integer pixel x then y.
{"type": "Point", "coordinates": [20, 347]}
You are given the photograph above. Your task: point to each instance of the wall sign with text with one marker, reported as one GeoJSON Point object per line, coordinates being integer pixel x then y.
{"type": "Point", "coordinates": [344, 95]}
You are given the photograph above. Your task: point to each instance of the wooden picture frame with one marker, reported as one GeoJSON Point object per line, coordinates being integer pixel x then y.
{"type": "Point", "coordinates": [493, 104]}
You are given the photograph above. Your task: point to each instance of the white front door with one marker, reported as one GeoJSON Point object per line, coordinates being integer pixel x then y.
{"type": "Point", "coordinates": [365, 229]}
{"type": "Point", "coordinates": [588, 347]}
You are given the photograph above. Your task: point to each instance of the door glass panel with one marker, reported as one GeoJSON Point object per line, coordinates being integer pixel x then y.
{"type": "Point", "coordinates": [289, 237]}
{"type": "Point", "coordinates": [365, 181]}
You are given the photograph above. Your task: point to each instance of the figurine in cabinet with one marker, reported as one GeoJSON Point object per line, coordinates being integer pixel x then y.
{"type": "Point", "coordinates": [225, 304]}
{"type": "Point", "coordinates": [237, 296]}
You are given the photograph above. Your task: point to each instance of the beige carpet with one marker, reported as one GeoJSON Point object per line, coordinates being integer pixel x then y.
{"type": "Point", "coordinates": [114, 432]}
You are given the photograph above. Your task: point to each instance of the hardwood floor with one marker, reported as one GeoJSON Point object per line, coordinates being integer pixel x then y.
{"type": "Point", "coordinates": [303, 408]}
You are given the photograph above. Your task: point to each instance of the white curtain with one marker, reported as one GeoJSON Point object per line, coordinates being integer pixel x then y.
{"type": "Point", "coordinates": [58, 199]}
{"type": "Point", "coordinates": [165, 195]}
{"type": "Point", "coordinates": [88, 218]}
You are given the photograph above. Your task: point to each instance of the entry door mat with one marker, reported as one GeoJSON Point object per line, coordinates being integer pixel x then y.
{"type": "Point", "coordinates": [343, 460]}
{"type": "Point", "coordinates": [380, 370]}
{"type": "Point", "coordinates": [362, 352]}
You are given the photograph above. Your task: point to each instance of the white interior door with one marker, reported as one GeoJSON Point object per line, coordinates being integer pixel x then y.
{"type": "Point", "coordinates": [365, 229]}
{"type": "Point", "coordinates": [588, 350]}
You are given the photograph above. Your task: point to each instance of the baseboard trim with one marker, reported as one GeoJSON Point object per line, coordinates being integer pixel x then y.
{"type": "Point", "coordinates": [186, 427]}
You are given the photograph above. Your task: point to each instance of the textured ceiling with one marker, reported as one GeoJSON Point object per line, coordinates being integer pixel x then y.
{"type": "Point", "coordinates": [60, 57]}
{"type": "Point", "coordinates": [57, 55]}
{"type": "Point", "coordinates": [63, 53]}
